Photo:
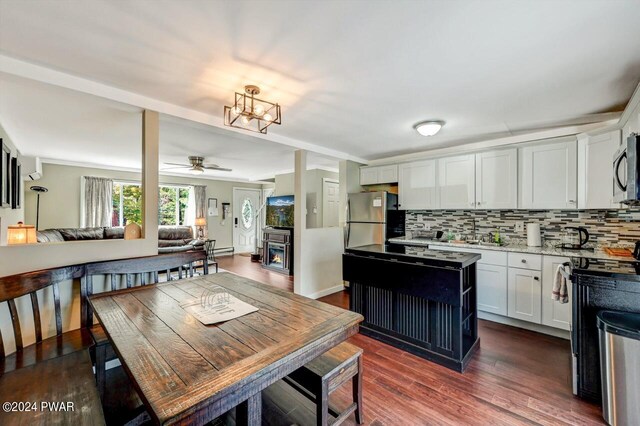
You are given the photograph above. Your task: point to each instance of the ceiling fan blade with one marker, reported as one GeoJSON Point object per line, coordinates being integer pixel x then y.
{"type": "Point", "coordinates": [222, 169]}
{"type": "Point", "coordinates": [172, 168]}
{"type": "Point", "coordinates": [179, 165]}
{"type": "Point", "coordinates": [210, 165]}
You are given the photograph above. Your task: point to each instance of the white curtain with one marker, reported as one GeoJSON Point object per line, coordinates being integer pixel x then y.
{"type": "Point", "coordinates": [98, 201]}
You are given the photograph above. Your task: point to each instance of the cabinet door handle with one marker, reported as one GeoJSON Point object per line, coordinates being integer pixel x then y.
{"type": "Point", "coordinates": [536, 278]}
{"type": "Point", "coordinates": [572, 201]}
{"type": "Point", "coordinates": [524, 261]}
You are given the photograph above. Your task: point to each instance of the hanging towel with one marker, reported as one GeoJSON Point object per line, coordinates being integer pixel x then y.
{"type": "Point", "coordinates": [560, 287]}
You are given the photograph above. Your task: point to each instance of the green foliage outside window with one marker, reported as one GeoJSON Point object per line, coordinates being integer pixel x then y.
{"type": "Point", "coordinates": [127, 204]}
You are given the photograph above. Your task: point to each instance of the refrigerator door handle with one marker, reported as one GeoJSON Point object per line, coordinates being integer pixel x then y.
{"type": "Point", "coordinates": [347, 234]}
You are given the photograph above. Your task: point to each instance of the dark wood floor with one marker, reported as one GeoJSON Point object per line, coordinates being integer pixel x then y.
{"type": "Point", "coordinates": [517, 377]}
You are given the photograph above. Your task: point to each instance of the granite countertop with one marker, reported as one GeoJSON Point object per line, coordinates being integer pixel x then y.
{"type": "Point", "coordinates": [429, 257]}
{"type": "Point", "coordinates": [514, 247]}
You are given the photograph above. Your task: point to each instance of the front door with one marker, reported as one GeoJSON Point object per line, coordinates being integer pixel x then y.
{"type": "Point", "coordinates": [246, 202]}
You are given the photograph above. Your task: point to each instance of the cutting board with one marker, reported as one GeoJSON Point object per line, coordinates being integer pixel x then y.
{"type": "Point", "coordinates": [621, 252]}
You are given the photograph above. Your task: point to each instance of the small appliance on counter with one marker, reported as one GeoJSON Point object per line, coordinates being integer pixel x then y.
{"type": "Point", "coordinates": [534, 238]}
{"type": "Point", "coordinates": [636, 251]}
{"type": "Point", "coordinates": [574, 238]}
{"type": "Point", "coordinates": [373, 218]}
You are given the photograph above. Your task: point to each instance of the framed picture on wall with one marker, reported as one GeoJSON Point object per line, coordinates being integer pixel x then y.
{"type": "Point", "coordinates": [5, 175]}
{"type": "Point", "coordinates": [16, 183]}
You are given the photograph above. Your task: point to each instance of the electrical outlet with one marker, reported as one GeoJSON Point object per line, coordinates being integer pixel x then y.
{"type": "Point", "coordinates": [519, 226]}
{"type": "Point", "coordinates": [427, 227]}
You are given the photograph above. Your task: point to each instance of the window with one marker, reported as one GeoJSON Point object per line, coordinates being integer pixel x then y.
{"type": "Point", "coordinates": [173, 202]}
{"type": "Point", "coordinates": [127, 203]}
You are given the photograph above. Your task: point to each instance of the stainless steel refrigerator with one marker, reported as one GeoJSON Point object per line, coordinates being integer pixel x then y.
{"type": "Point", "coordinates": [373, 218]}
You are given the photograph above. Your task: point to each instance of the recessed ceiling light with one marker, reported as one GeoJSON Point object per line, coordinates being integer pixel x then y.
{"type": "Point", "coordinates": [429, 128]}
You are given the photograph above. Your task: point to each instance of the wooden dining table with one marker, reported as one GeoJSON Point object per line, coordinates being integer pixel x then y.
{"type": "Point", "coordinates": [190, 373]}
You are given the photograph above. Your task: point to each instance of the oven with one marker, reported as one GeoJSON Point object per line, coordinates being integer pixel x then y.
{"type": "Point", "coordinates": [626, 172]}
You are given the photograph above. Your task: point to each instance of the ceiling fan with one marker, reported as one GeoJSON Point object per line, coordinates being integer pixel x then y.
{"type": "Point", "coordinates": [197, 166]}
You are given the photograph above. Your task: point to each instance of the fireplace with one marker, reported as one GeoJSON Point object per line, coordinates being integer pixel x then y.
{"type": "Point", "coordinates": [278, 250]}
{"type": "Point", "coordinates": [276, 255]}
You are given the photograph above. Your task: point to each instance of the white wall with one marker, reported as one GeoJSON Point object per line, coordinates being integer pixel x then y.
{"type": "Point", "coordinates": [318, 252]}
{"type": "Point", "coordinates": [9, 216]}
{"type": "Point", "coordinates": [63, 183]}
{"type": "Point", "coordinates": [284, 185]}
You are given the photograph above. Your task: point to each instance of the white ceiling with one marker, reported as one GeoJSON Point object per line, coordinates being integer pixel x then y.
{"type": "Point", "coordinates": [351, 76]}
{"type": "Point", "coordinates": [68, 127]}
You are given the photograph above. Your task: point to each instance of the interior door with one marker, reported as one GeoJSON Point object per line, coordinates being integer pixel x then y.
{"type": "Point", "coordinates": [330, 203]}
{"type": "Point", "coordinates": [456, 182]}
{"type": "Point", "coordinates": [246, 202]}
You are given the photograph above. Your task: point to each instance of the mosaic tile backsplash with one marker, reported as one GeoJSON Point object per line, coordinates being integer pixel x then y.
{"type": "Point", "coordinates": [606, 227]}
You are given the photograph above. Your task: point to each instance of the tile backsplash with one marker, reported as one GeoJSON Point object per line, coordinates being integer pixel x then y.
{"type": "Point", "coordinates": [606, 227]}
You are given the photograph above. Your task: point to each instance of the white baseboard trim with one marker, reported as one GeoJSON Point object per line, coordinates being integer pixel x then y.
{"type": "Point", "coordinates": [538, 328]}
{"type": "Point", "coordinates": [326, 292]}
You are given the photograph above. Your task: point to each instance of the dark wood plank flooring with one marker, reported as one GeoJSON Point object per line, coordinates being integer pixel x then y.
{"type": "Point", "coordinates": [517, 377]}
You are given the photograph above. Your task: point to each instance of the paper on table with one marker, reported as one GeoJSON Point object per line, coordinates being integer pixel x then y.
{"type": "Point", "coordinates": [217, 305]}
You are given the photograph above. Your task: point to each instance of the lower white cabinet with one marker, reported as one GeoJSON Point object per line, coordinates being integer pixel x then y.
{"type": "Point", "coordinates": [492, 288]}
{"type": "Point", "coordinates": [554, 314]}
{"type": "Point", "coordinates": [524, 290]}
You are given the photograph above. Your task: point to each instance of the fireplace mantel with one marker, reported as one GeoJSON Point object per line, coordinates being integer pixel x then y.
{"type": "Point", "coordinates": [277, 252]}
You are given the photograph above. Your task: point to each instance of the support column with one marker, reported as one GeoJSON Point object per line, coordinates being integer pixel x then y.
{"type": "Point", "coordinates": [300, 218]}
{"type": "Point", "coordinates": [150, 161]}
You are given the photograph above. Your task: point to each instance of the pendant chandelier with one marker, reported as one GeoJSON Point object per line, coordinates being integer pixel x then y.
{"type": "Point", "coordinates": [251, 113]}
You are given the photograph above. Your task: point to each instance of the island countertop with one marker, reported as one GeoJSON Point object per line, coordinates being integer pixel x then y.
{"type": "Point", "coordinates": [436, 258]}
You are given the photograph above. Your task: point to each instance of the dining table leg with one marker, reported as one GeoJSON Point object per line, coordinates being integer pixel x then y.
{"type": "Point", "coordinates": [249, 412]}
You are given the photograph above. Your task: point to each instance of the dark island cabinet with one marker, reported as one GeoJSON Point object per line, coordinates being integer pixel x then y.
{"type": "Point", "coordinates": [424, 305]}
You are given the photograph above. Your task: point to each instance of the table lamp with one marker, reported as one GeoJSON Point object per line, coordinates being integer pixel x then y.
{"type": "Point", "coordinates": [21, 234]}
{"type": "Point", "coordinates": [201, 222]}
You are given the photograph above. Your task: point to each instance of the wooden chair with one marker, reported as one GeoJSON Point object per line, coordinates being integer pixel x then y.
{"type": "Point", "coordinates": [209, 247]}
{"type": "Point", "coordinates": [133, 272]}
{"type": "Point", "coordinates": [320, 377]}
{"type": "Point", "coordinates": [63, 357]}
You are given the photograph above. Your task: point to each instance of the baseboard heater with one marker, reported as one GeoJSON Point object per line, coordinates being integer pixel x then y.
{"type": "Point", "coordinates": [224, 251]}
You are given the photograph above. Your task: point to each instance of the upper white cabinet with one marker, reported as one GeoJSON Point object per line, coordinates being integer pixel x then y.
{"type": "Point", "coordinates": [378, 174]}
{"type": "Point", "coordinates": [456, 182]}
{"type": "Point", "coordinates": [549, 175]}
{"type": "Point", "coordinates": [595, 171]}
{"type": "Point", "coordinates": [497, 179]}
{"type": "Point", "coordinates": [417, 185]}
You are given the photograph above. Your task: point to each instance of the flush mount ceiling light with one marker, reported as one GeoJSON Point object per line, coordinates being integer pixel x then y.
{"type": "Point", "coordinates": [251, 113]}
{"type": "Point", "coordinates": [429, 128]}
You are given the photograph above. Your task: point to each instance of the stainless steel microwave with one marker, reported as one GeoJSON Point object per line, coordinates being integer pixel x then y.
{"type": "Point", "coordinates": [626, 171]}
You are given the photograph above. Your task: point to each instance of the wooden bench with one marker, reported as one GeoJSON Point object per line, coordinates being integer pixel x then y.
{"type": "Point", "coordinates": [320, 377]}
{"type": "Point", "coordinates": [131, 273]}
{"type": "Point", "coordinates": [54, 369]}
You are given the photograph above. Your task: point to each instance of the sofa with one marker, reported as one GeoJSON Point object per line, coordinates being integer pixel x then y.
{"type": "Point", "coordinates": [171, 239]}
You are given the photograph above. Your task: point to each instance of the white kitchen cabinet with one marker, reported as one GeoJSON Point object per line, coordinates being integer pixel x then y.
{"type": "Point", "coordinates": [378, 174]}
{"type": "Point", "coordinates": [456, 182]}
{"type": "Point", "coordinates": [491, 288]}
{"type": "Point", "coordinates": [524, 291]}
{"type": "Point", "coordinates": [554, 314]}
{"type": "Point", "coordinates": [595, 171]}
{"type": "Point", "coordinates": [417, 185]}
{"type": "Point", "coordinates": [497, 179]}
{"type": "Point", "coordinates": [549, 175]}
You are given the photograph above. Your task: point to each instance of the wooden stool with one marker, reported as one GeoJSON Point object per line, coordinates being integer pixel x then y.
{"type": "Point", "coordinates": [320, 377]}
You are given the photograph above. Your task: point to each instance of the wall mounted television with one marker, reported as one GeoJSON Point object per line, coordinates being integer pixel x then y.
{"type": "Point", "coordinates": [280, 211]}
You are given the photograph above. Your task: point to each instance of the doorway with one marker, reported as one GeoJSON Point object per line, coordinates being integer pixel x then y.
{"type": "Point", "coordinates": [330, 202]}
{"type": "Point", "coordinates": [246, 203]}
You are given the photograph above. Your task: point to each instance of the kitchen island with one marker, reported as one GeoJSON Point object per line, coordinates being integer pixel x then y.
{"type": "Point", "coordinates": [423, 301]}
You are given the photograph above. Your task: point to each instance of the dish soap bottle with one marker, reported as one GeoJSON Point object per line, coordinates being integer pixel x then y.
{"type": "Point", "coordinates": [496, 236]}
